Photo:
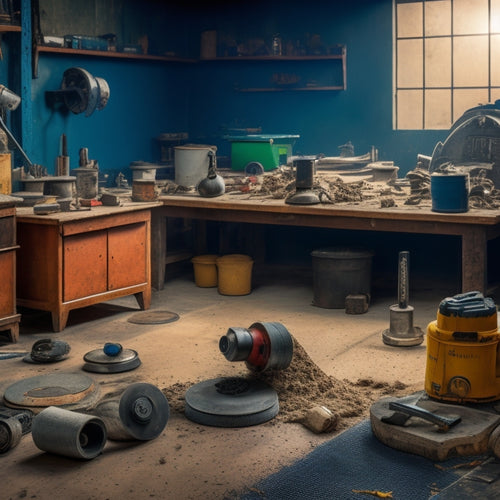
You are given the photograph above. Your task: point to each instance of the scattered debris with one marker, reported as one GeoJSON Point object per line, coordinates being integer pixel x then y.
{"type": "Point", "coordinates": [303, 385]}
{"type": "Point", "coordinates": [378, 494]}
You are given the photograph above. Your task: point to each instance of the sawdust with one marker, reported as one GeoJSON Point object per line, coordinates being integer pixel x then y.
{"type": "Point", "coordinates": [303, 385]}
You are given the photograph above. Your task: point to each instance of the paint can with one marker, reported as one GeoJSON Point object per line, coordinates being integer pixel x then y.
{"type": "Point", "coordinates": [191, 163]}
{"type": "Point", "coordinates": [450, 192]}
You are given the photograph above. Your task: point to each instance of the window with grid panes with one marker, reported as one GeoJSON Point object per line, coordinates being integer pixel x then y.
{"type": "Point", "coordinates": [446, 60]}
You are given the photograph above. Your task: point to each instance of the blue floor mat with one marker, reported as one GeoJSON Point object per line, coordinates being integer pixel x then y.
{"type": "Point", "coordinates": [357, 460]}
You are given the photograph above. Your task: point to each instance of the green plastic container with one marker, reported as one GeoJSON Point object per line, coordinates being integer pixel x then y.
{"type": "Point", "coordinates": [270, 151]}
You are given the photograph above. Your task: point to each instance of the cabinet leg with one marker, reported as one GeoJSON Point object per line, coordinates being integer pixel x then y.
{"type": "Point", "coordinates": [143, 299]}
{"type": "Point", "coordinates": [59, 320]}
{"type": "Point", "coordinates": [14, 332]}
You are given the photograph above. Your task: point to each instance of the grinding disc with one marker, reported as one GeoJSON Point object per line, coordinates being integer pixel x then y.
{"type": "Point", "coordinates": [144, 411]}
{"type": "Point", "coordinates": [71, 390]}
{"type": "Point", "coordinates": [10, 434]}
{"type": "Point", "coordinates": [153, 317]}
{"type": "Point", "coordinates": [98, 361]}
{"type": "Point", "coordinates": [231, 402]}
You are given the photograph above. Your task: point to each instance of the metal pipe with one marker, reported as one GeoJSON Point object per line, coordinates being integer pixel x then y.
{"type": "Point", "coordinates": [403, 279]}
{"type": "Point", "coordinates": [2, 123]}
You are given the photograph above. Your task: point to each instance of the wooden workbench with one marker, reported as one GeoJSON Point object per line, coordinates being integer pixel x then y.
{"type": "Point", "coordinates": [69, 260]}
{"type": "Point", "coordinates": [475, 228]}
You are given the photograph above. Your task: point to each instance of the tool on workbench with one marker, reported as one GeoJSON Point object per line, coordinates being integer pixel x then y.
{"type": "Point", "coordinates": [213, 185]}
{"type": "Point", "coordinates": [304, 180]}
{"type": "Point", "coordinates": [401, 331]}
{"type": "Point", "coordinates": [87, 176]}
{"type": "Point", "coordinates": [63, 158]}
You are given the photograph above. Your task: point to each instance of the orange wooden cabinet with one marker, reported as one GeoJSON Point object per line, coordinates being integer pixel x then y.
{"type": "Point", "coordinates": [9, 319]}
{"type": "Point", "coordinates": [75, 259]}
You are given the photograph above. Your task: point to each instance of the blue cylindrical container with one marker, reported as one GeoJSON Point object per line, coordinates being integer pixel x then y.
{"type": "Point", "coordinates": [450, 192]}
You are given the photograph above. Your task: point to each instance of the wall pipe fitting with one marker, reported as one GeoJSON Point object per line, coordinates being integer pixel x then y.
{"type": "Point", "coordinates": [69, 433]}
{"type": "Point", "coordinates": [263, 346]}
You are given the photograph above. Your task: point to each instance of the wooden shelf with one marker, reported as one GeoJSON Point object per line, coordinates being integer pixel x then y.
{"type": "Point", "coordinates": [6, 28]}
{"type": "Point", "coordinates": [277, 58]}
{"type": "Point", "coordinates": [292, 89]}
{"type": "Point", "coordinates": [338, 83]}
{"type": "Point", "coordinates": [119, 55]}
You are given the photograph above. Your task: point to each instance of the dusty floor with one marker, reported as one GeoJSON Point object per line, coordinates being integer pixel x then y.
{"type": "Point", "coordinates": [192, 461]}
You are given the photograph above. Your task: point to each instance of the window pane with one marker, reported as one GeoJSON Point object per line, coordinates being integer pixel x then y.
{"type": "Point", "coordinates": [410, 68]}
{"type": "Point", "coordinates": [438, 62]}
{"type": "Point", "coordinates": [409, 19]}
{"type": "Point", "coordinates": [410, 109]}
{"type": "Point", "coordinates": [470, 61]}
{"type": "Point", "coordinates": [495, 95]}
{"type": "Point", "coordinates": [438, 18]}
{"type": "Point", "coordinates": [495, 58]}
{"type": "Point", "coordinates": [465, 99]}
{"type": "Point", "coordinates": [470, 16]}
{"type": "Point", "coordinates": [495, 16]}
{"type": "Point", "coordinates": [437, 109]}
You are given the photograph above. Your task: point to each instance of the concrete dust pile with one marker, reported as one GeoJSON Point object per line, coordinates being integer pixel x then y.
{"type": "Point", "coordinates": [303, 385]}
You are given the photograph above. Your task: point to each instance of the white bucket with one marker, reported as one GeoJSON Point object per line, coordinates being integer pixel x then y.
{"type": "Point", "coordinates": [191, 163]}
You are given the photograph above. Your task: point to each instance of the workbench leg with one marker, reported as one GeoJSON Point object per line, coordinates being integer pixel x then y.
{"type": "Point", "coordinates": [474, 260]}
{"type": "Point", "coordinates": [158, 248]}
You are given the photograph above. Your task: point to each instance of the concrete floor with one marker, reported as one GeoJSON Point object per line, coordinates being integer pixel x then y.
{"type": "Point", "coordinates": [188, 460]}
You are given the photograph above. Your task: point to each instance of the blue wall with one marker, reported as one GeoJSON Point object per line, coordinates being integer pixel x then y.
{"type": "Point", "coordinates": [146, 99]}
{"type": "Point", "coordinates": [324, 120]}
{"type": "Point", "coordinates": [149, 98]}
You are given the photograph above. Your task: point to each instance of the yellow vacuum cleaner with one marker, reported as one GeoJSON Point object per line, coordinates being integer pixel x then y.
{"type": "Point", "coordinates": [463, 350]}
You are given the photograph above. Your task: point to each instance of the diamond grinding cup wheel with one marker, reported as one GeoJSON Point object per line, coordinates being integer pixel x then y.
{"type": "Point", "coordinates": [141, 413]}
{"type": "Point", "coordinates": [231, 402]}
{"type": "Point", "coordinates": [263, 346]}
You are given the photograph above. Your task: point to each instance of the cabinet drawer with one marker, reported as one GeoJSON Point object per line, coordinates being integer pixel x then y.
{"type": "Point", "coordinates": [84, 267]}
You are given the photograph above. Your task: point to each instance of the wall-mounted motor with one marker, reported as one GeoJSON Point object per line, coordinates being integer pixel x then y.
{"type": "Point", "coordinates": [262, 346]}
{"type": "Point", "coordinates": [80, 92]}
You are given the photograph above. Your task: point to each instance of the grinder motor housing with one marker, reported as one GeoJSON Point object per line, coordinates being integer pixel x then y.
{"type": "Point", "coordinates": [463, 361]}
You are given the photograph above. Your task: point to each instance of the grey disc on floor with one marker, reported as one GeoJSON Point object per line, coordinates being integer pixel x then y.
{"type": "Point", "coordinates": [71, 390]}
{"type": "Point", "coordinates": [231, 402]}
{"type": "Point", "coordinates": [153, 317]}
{"type": "Point", "coordinates": [98, 361]}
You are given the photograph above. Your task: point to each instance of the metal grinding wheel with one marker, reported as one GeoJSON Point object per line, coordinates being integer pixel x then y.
{"type": "Point", "coordinates": [231, 402]}
{"type": "Point", "coordinates": [144, 411]}
{"type": "Point", "coordinates": [112, 358]}
{"type": "Point", "coordinates": [263, 346]}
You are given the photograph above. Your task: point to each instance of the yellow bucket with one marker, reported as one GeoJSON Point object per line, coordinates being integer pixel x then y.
{"type": "Point", "coordinates": [235, 274]}
{"type": "Point", "coordinates": [205, 270]}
